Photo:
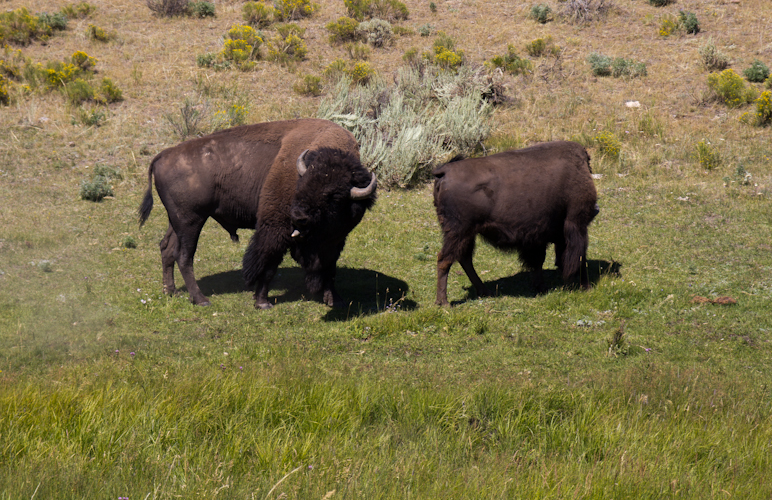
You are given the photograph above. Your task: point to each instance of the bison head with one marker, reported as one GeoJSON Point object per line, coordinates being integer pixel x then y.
{"type": "Point", "coordinates": [332, 194]}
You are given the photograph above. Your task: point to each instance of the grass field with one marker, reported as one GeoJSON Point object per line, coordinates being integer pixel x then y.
{"type": "Point", "coordinates": [655, 383]}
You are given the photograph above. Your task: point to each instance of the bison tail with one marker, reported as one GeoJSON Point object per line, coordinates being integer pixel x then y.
{"type": "Point", "coordinates": [147, 201]}
{"type": "Point", "coordinates": [576, 248]}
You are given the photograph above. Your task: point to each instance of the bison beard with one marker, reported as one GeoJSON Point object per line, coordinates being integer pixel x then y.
{"type": "Point", "coordinates": [258, 177]}
{"type": "Point", "coordinates": [517, 200]}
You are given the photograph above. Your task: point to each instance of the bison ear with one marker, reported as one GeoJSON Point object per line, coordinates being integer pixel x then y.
{"type": "Point", "coordinates": [301, 164]}
{"type": "Point", "coordinates": [366, 192]}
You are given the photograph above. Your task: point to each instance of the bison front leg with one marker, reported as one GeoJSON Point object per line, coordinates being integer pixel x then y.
{"type": "Point", "coordinates": [169, 252]}
{"type": "Point", "coordinates": [188, 241]}
{"type": "Point", "coordinates": [533, 258]}
{"type": "Point", "coordinates": [261, 261]}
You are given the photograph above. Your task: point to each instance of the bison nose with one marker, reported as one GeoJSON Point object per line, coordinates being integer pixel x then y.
{"type": "Point", "coordinates": [299, 218]}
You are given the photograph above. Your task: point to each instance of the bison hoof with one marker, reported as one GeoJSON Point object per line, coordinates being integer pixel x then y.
{"type": "Point", "coordinates": [442, 303]}
{"type": "Point", "coordinates": [263, 305]}
{"type": "Point", "coordinates": [204, 302]}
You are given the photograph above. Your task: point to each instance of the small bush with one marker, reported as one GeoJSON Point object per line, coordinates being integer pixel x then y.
{"type": "Point", "coordinates": [730, 88]}
{"type": "Point", "coordinates": [188, 124]}
{"type": "Point", "coordinates": [168, 8]}
{"type": "Point", "coordinates": [56, 21]}
{"type": "Point", "coordinates": [390, 10]}
{"type": "Point", "coordinates": [289, 10]}
{"type": "Point", "coordinates": [309, 85]}
{"type": "Point", "coordinates": [129, 242]}
{"type": "Point", "coordinates": [712, 58]}
{"type": "Point", "coordinates": [22, 28]}
{"type": "Point", "coordinates": [764, 109]}
{"type": "Point", "coordinates": [362, 72]}
{"type": "Point", "coordinates": [584, 11]}
{"type": "Point", "coordinates": [425, 29]}
{"type": "Point", "coordinates": [608, 144]}
{"type": "Point", "coordinates": [512, 63]}
{"type": "Point", "coordinates": [376, 32]}
{"type": "Point", "coordinates": [79, 91]}
{"type": "Point", "coordinates": [541, 47]}
{"type": "Point", "coordinates": [288, 45]}
{"type": "Point", "coordinates": [83, 61]}
{"type": "Point", "coordinates": [258, 14]}
{"type": "Point", "coordinates": [660, 3]}
{"type": "Point", "coordinates": [79, 10]}
{"type": "Point", "coordinates": [5, 98]}
{"type": "Point", "coordinates": [343, 30]}
{"type": "Point", "coordinates": [335, 70]}
{"type": "Point", "coordinates": [109, 93]}
{"type": "Point", "coordinates": [445, 55]}
{"type": "Point", "coordinates": [707, 155]}
{"type": "Point", "coordinates": [201, 9]}
{"type": "Point", "coordinates": [232, 116]}
{"type": "Point", "coordinates": [433, 7]}
{"type": "Point", "coordinates": [603, 65]}
{"type": "Point", "coordinates": [98, 187]}
{"type": "Point", "coordinates": [688, 22]}
{"type": "Point", "coordinates": [241, 48]}
{"type": "Point", "coordinates": [541, 13]}
{"type": "Point", "coordinates": [358, 51]}
{"type": "Point", "coordinates": [97, 34]}
{"type": "Point", "coordinates": [757, 72]}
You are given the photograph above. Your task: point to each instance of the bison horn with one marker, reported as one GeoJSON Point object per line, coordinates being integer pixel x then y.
{"type": "Point", "coordinates": [301, 164]}
{"type": "Point", "coordinates": [362, 193]}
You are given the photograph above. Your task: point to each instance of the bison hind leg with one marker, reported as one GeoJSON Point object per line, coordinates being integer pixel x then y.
{"type": "Point", "coordinates": [533, 257]}
{"type": "Point", "coordinates": [575, 254]}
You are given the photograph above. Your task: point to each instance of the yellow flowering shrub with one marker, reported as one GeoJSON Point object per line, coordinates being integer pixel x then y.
{"type": "Point", "coordinates": [764, 108]}
{"type": "Point", "coordinates": [4, 98]}
{"type": "Point", "coordinates": [83, 61]}
{"type": "Point", "coordinates": [608, 144]}
{"type": "Point", "coordinates": [730, 88]}
{"type": "Point", "coordinates": [287, 10]}
{"type": "Point", "coordinates": [362, 72]}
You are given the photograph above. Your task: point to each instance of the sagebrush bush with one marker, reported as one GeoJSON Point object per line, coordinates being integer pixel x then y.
{"type": "Point", "coordinates": [79, 91]}
{"type": "Point", "coordinates": [757, 72]}
{"type": "Point", "coordinates": [541, 47]}
{"type": "Point", "coordinates": [97, 34]}
{"type": "Point", "coordinates": [688, 22]}
{"type": "Point", "coordinates": [511, 62]}
{"type": "Point", "coordinates": [56, 21]}
{"type": "Point", "coordinates": [358, 51]}
{"type": "Point", "coordinates": [168, 8]}
{"type": "Point", "coordinates": [425, 29]}
{"type": "Point", "coordinates": [584, 11]}
{"type": "Point", "coordinates": [712, 58]}
{"type": "Point", "coordinates": [201, 9]}
{"type": "Point", "coordinates": [376, 32]}
{"type": "Point", "coordinates": [343, 30]}
{"type": "Point", "coordinates": [258, 14]}
{"type": "Point", "coordinates": [541, 13]}
{"type": "Point", "coordinates": [427, 117]}
{"type": "Point", "coordinates": [98, 186]}
{"type": "Point", "coordinates": [390, 10]}
{"type": "Point", "coordinates": [660, 3]}
{"type": "Point", "coordinates": [603, 65]}
{"type": "Point", "coordinates": [730, 88]}
{"type": "Point", "coordinates": [310, 85]}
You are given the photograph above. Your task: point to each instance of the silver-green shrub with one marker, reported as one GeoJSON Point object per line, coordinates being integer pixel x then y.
{"type": "Point", "coordinates": [428, 117]}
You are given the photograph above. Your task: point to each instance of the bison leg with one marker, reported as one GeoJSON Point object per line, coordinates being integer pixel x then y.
{"type": "Point", "coordinates": [187, 243]}
{"type": "Point", "coordinates": [533, 258]}
{"type": "Point", "coordinates": [461, 252]}
{"type": "Point", "coordinates": [261, 261]}
{"type": "Point", "coordinates": [169, 251]}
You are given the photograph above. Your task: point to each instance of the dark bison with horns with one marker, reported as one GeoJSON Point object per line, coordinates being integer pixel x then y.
{"type": "Point", "coordinates": [299, 184]}
{"type": "Point", "coordinates": [517, 200]}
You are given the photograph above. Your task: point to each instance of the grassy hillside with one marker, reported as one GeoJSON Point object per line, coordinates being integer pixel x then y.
{"type": "Point", "coordinates": [655, 383]}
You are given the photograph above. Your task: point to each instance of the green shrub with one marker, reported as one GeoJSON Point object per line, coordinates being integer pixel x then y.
{"type": "Point", "coordinates": [5, 98]}
{"type": "Point", "coordinates": [241, 48]}
{"type": "Point", "coordinates": [335, 70]}
{"type": "Point", "coordinates": [730, 88]}
{"type": "Point", "coordinates": [309, 85]}
{"type": "Point", "coordinates": [432, 7]}
{"type": "Point", "coordinates": [707, 155]}
{"type": "Point", "coordinates": [541, 47]}
{"type": "Point", "coordinates": [129, 242]}
{"type": "Point", "coordinates": [688, 22]}
{"type": "Point", "coordinates": [79, 10]}
{"type": "Point", "coordinates": [660, 3]}
{"type": "Point", "coordinates": [757, 72]}
{"type": "Point", "coordinates": [258, 14]}
{"type": "Point", "coordinates": [425, 29]}
{"type": "Point", "coordinates": [376, 32]}
{"type": "Point", "coordinates": [362, 72]}
{"type": "Point", "coordinates": [234, 115]}
{"type": "Point", "coordinates": [764, 109]}
{"type": "Point", "coordinates": [712, 58]}
{"type": "Point", "coordinates": [445, 54]}
{"type": "Point", "coordinates": [603, 65]}
{"type": "Point", "coordinates": [169, 8]}
{"type": "Point", "coordinates": [83, 61]}
{"type": "Point", "coordinates": [288, 45]}
{"type": "Point", "coordinates": [512, 63]}
{"type": "Point", "coordinates": [56, 21]}
{"type": "Point", "coordinates": [96, 189]}
{"type": "Point", "coordinates": [201, 9]}
{"type": "Point", "coordinates": [390, 10]}
{"type": "Point", "coordinates": [79, 91]}
{"type": "Point", "coordinates": [289, 10]}
{"type": "Point", "coordinates": [109, 93]}
{"type": "Point", "coordinates": [358, 51]}
{"type": "Point", "coordinates": [22, 28]}
{"type": "Point", "coordinates": [96, 33]}
{"type": "Point", "coordinates": [342, 30]}
{"type": "Point", "coordinates": [541, 13]}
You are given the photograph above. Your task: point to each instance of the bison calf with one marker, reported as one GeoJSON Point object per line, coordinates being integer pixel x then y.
{"type": "Point", "coordinates": [517, 200]}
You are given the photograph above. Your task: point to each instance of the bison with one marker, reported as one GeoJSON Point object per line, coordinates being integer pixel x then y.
{"type": "Point", "coordinates": [298, 183]}
{"type": "Point", "coordinates": [516, 200]}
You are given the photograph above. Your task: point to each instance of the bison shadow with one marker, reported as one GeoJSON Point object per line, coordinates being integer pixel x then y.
{"type": "Point", "coordinates": [519, 285]}
{"type": "Point", "coordinates": [365, 291]}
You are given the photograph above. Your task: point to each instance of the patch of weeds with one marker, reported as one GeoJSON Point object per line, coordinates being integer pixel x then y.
{"type": "Point", "coordinates": [168, 8]}
{"type": "Point", "coordinates": [258, 14]}
{"type": "Point", "coordinates": [688, 22]}
{"type": "Point", "coordinates": [79, 91]}
{"type": "Point", "coordinates": [80, 10]}
{"type": "Point", "coordinates": [730, 88]}
{"type": "Point", "coordinates": [542, 47]}
{"type": "Point", "coordinates": [109, 92]}
{"type": "Point", "coordinates": [712, 58]}
{"type": "Point", "coordinates": [362, 72]}
{"type": "Point", "coordinates": [188, 123]}
{"type": "Point", "coordinates": [603, 65]}
{"type": "Point", "coordinates": [129, 242]}
{"type": "Point", "coordinates": [432, 7]}
{"type": "Point", "coordinates": [541, 13]}
{"type": "Point", "coordinates": [445, 54]}
{"type": "Point", "coordinates": [660, 3]}
{"type": "Point", "coordinates": [4, 94]}
{"type": "Point", "coordinates": [707, 155]}
{"type": "Point", "coordinates": [425, 29]}
{"type": "Point", "coordinates": [390, 10]}
{"type": "Point", "coordinates": [763, 115]}
{"type": "Point", "coordinates": [512, 63]}
{"type": "Point", "coordinates": [232, 116]}
{"type": "Point", "coordinates": [309, 85]}
{"type": "Point", "coordinates": [584, 11]}
{"type": "Point", "coordinates": [740, 177]}
{"type": "Point", "coordinates": [376, 32]}
{"type": "Point", "coordinates": [617, 344]}
{"type": "Point", "coordinates": [56, 21]}
{"type": "Point", "coordinates": [45, 266]}
{"type": "Point", "coordinates": [757, 72]}
{"type": "Point", "coordinates": [19, 27]}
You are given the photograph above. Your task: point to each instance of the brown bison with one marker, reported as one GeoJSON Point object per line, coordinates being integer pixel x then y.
{"type": "Point", "coordinates": [517, 200]}
{"type": "Point", "coordinates": [299, 184]}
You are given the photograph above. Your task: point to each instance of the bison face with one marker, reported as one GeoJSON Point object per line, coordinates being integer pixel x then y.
{"type": "Point", "coordinates": [329, 201]}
